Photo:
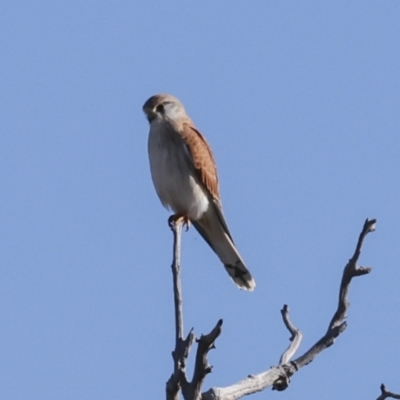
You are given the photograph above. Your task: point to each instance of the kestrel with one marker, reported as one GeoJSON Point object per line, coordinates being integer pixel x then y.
{"type": "Point", "coordinates": [185, 178]}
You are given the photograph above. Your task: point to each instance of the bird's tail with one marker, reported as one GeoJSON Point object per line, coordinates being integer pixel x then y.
{"type": "Point", "coordinates": [219, 239]}
{"type": "Point", "coordinates": [241, 275]}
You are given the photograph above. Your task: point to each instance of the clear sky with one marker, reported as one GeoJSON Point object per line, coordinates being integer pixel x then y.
{"type": "Point", "coordinates": [301, 104]}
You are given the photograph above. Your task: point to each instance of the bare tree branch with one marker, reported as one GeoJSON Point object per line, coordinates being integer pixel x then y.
{"type": "Point", "coordinates": [178, 380]}
{"type": "Point", "coordinates": [192, 390]}
{"type": "Point", "coordinates": [278, 377]}
{"type": "Point", "coordinates": [338, 323]}
{"type": "Point", "coordinates": [176, 227]}
{"type": "Point", "coordinates": [386, 394]}
{"type": "Point", "coordinates": [295, 339]}
{"type": "Point", "coordinates": [182, 347]}
{"type": "Point", "coordinates": [283, 382]}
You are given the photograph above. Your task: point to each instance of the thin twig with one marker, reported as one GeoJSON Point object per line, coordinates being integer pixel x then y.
{"type": "Point", "coordinates": [295, 339]}
{"type": "Point", "coordinates": [283, 381]}
{"type": "Point", "coordinates": [350, 271]}
{"type": "Point", "coordinates": [338, 323]}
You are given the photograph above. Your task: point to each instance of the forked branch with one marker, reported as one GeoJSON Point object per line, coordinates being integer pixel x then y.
{"type": "Point", "coordinates": [385, 394]}
{"type": "Point", "coordinates": [178, 380]}
{"type": "Point", "coordinates": [279, 377]}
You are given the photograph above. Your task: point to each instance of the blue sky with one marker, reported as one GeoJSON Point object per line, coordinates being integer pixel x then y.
{"type": "Point", "coordinates": [300, 102]}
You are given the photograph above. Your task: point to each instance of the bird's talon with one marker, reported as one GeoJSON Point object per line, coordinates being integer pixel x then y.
{"type": "Point", "coordinates": [186, 224]}
{"type": "Point", "coordinates": [173, 220]}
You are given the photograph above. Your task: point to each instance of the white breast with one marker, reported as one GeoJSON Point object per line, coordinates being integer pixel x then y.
{"type": "Point", "coordinates": [173, 175]}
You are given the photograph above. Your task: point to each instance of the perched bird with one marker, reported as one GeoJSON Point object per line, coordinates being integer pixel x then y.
{"type": "Point", "coordinates": [185, 178]}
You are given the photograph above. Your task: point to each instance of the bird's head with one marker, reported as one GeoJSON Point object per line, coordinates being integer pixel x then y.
{"type": "Point", "coordinates": [164, 107]}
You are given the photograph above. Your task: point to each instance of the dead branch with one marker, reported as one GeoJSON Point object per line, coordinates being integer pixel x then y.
{"type": "Point", "coordinates": [192, 390]}
{"type": "Point", "coordinates": [386, 394]}
{"type": "Point", "coordinates": [279, 377]}
{"type": "Point", "coordinates": [276, 377]}
{"type": "Point", "coordinates": [338, 323]}
{"type": "Point", "coordinates": [176, 269]}
{"type": "Point", "coordinates": [295, 339]}
{"type": "Point", "coordinates": [178, 380]}
{"type": "Point", "coordinates": [283, 382]}
{"type": "Point", "coordinates": [182, 347]}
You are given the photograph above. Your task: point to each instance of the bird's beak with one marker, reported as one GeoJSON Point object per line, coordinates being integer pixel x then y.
{"type": "Point", "coordinates": [150, 113]}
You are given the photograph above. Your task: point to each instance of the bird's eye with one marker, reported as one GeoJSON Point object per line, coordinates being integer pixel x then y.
{"type": "Point", "coordinates": [160, 108]}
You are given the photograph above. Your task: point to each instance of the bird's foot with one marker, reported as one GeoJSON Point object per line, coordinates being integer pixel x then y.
{"type": "Point", "coordinates": [175, 219]}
